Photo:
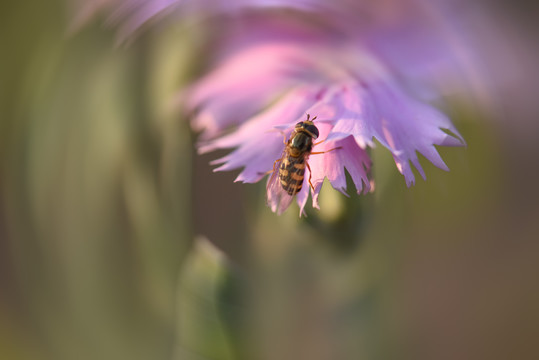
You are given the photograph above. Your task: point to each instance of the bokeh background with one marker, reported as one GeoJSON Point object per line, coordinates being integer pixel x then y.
{"type": "Point", "coordinates": [117, 241]}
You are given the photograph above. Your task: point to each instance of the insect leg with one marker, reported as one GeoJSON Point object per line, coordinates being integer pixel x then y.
{"type": "Point", "coordinates": [270, 171]}
{"type": "Point", "coordinates": [320, 142]}
{"type": "Point", "coordinates": [310, 175]}
{"type": "Point", "coordinates": [282, 133]}
{"type": "Point", "coordinates": [323, 152]}
{"type": "Point", "coordinates": [275, 163]}
{"type": "Point", "coordinates": [284, 138]}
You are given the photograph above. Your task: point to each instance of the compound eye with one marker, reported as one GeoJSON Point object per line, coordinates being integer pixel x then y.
{"type": "Point", "coordinates": [313, 130]}
{"type": "Point", "coordinates": [299, 125]}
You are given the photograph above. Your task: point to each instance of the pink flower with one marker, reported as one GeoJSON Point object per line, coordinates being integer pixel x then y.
{"type": "Point", "coordinates": [365, 71]}
{"type": "Point", "coordinates": [275, 70]}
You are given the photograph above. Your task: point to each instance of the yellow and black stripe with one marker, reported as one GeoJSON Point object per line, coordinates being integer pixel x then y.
{"type": "Point", "coordinates": [292, 173]}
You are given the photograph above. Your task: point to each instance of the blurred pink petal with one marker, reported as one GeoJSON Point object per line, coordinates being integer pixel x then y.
{"type": "Point", "coordinates": [241, 86]}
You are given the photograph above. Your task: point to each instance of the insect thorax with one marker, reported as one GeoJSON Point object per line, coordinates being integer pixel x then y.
{"type": "Point", "coordinates": [300, 143]}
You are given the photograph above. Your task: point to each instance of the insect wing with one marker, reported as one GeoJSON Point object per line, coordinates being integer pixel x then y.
{"type": "Point", "coordinates": [278, 198]}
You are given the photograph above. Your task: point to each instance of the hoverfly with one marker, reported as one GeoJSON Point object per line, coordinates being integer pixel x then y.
{"type": "Point", "coordinates": [289, 170]}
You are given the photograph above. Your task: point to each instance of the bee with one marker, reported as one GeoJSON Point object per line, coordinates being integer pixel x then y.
{"type": "Point", "coordinates": [289, 170]}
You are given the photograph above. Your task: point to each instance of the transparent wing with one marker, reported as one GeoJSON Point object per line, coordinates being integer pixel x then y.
{"type": "Point", "coordinates": [277, 198]}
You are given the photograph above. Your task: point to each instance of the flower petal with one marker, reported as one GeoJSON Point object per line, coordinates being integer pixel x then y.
{"type": "Point", "coordinates": [239, 87]}
{"type": "Point", "coordinates": [402, 124]}
{"type": "Point", "coordinates": [258, 144]}
{"type": "Point", "coordinates": [303, 195]}
{"type": "Point", "coordinates": [336, 156]}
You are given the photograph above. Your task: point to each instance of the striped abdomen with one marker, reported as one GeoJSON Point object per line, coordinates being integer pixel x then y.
{"type": "Point", "coordinates": [291, 174]}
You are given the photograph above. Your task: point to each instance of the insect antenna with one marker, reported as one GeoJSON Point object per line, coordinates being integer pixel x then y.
{"type": "Point", "coordinates": [309, 117]}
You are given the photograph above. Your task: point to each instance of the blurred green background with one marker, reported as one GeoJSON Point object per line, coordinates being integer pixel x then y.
{"type": "Point", "coordinates": [118, 242]}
